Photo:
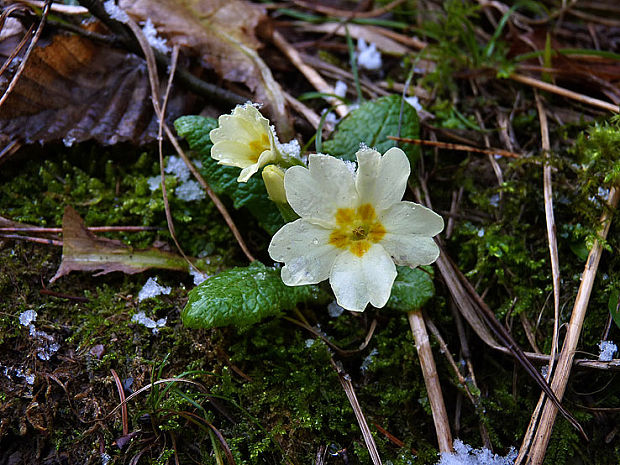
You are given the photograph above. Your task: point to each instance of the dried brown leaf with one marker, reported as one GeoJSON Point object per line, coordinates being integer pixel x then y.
{"type": "Point", "coordinates": [83, 251]}
{"type": "Point", "coordinates": [221, 32]}
{"type": "Point", "coordinates": [75, 90]}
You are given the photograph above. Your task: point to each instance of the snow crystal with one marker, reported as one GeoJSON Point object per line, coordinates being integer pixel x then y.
{"type": "Point", "coordinates": [368, 360]}
{"type": "Point", "coordinates": [47, 349]}
{"type": "Point", "coordinates": [608, 349]}
{"type": "Point", "coordinates": [464, 454]}
{"type": "Point", "coordinates": [340, 89]}
{"type": "Point", "coordinates": [368, 57]}
{"type": "Point", "coordinates": [68, 141]}
{"type": "Point", "coordinates": [494, 200]}
{"type": "Point", "coordinates": [27, 317]}
{"type": "Point", "coordinates": [28, 376]}
{"type": "Point", "coordinates": [105, 459]}
{"type": "Point", "coordinates": [334, 309]}
{"type": "Point", "coordinates": [115, 12]}
{"type": "Point", "coordinates": [144, 320]}
{"type": "Point", "coordinates": [198, 276]}
{"type": "Point", "coordinates": [309, 342]}
{"type": "Point", "coordinates": [152, 289]}
{"type": "Point", "coordinates": [351, 166]}
{"type": "Point", "coordinates": [158, 43]}
{"type": "Point", "coordinates": [544, 370]}
{"type": "Point", "coordinates": [154, 182]}
{"type": "Point", "coordinates": [330, 118]}
{"type": "Point", "coordinates": [414, 102]}
{"type": "Point", "coordinates": [292, 148]}
{"type": "Point", "coordinates": [190, 190]}
{"type": "Point", "coordinates": [177, 167]}
{"type": "Point", "coordinates": [480, 232]}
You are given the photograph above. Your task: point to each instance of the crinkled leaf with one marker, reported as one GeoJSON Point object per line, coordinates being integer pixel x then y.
{"type": "Point", "coordinates": [242, 297]}
{"type": "Point", "coordinates": [614, 306]}
{"type": "Point", "coordinates": [370, 124]}
{"type": "Point", "coordinates": [412, 288]}
{"type": "Point", "coordinates": [223, 179]}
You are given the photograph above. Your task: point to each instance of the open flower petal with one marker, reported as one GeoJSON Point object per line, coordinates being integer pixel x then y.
{"type": "Point", "coordinates": [411, 218]}
{"type": "Point", "coordinates": [318, 191]}
{"type": "Point", "coordinates": [382, 180]}
{"type": "Point", "coordinates": [411, 250]}
{"type": "Point", "coordinates": [248, 171]}
{"type": "Point", "coordinates": [304, 248]}
{"type": "Point", "coordinates": [356, 281]}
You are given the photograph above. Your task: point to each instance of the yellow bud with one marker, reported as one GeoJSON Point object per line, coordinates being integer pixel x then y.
{"type": "Point", "coordinates": [273, 176]}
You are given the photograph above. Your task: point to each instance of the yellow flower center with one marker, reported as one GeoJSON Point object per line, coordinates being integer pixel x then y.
{"type": "Point", "coordinates": [258, 146]}
{"type": "Point", "coordinates": [357, 229]}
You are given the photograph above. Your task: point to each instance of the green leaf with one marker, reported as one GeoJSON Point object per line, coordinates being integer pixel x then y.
{"type": "Point", "coordinates": [371, 123]}
{"type": "Point", "coordinates": [614, 306]}
{"type": "Point", "coordinates": [412, 288]}
{"type": "Point", "coordinates": [243, 296]}
{"type": "Point", "coordinates": [223, 179]}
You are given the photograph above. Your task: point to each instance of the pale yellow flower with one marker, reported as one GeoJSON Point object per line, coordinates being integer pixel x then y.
{"type": "Point", "coordinates": [243, 139]}
{"type": "Point", "coordinates": [354, 228]}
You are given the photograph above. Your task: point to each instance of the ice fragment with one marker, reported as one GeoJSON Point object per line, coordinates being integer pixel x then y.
{"type": "Point", "coordinates": [27, 317]}
{"type": "Point", "coordinates": [464, 454]}
{"type": "Point", "coordinates": [144, 320]}
{"type": "Point", "coordinates": [608, 349]}
{"type": "Point", "coordinates": [340, 89]}
{"type": "Point", "coordinates": [368, 56]}
{"type": "Point", "coordinates": [334, 309]}
{"type": "Point", "coordinates": [190, 190]}
{"type": "Point", "coordinates": [115, 12]}
{"type": "Point", "coordinates": [152, 289]}
{"type": "Point", "coordinates": [158, 43]}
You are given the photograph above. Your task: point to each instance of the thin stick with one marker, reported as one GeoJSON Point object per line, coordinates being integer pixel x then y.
{"type": "Point", "coordinates": [345, 381]}
{"type": "Point", "coordinates": [40, 240]}
{"type": "Point", "coordinates": [433, 388]}
{"type": "Point", "coordinates": [560, 379]}
{"type": "Point", "coordinates": [310, 73]}
{"type": "Point", "coordinates": [38, 230]}
{"type": "Point", "coordinates": [57, 8]}
{"type": "Point", "coordinates": [449, 146]}
{"type": "Point", "coordinates": [565, 92]}
{"type": "Point", "coordinates": [121, 394]}
{"type": "Point", "coordinates": [29, 50]}
{"type": "Point", "coordinates": [349, 14]}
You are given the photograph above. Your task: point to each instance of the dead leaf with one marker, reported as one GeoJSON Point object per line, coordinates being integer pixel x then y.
{"type": "Point", "coordinates": [221, 32]}
{"type": "Point", "coordinates": [83, 251]}
{"type": "Point", "coordinates": [73, 89]}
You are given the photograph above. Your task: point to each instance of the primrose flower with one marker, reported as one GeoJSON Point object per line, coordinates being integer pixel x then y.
{"type": "Point", "coordinates": [354, 227]}
{"type": "Point", "coordinates": [243, 139]}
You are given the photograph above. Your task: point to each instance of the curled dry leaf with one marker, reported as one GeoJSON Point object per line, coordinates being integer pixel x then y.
{"type": "Point", "coordinates": [221, 32]}
{"type": "Point", "coordinates": [73, 89]}
{"type": "Point", "coordinates": [83, 251]}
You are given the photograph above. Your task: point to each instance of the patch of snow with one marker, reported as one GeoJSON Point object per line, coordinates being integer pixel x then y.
{"type": "Point", "coordinates": [152, 289]}
{"type": "Point", "coordinates": [544, 370]}
{"type": "Point", "coordinates": [105, 459]}
{"type": "Point", "coordinates": [198, 276]}
{"type": "Point", "coordinates": [158, 43]}
{"type": "Point", "coordinates": [334, 309]}
{"type": "Point", "coordinates": [68, 140]}
{"type": "Point", "coordinates": [115, 11]}
{"type": "Point", "coordinates": [494, 200]}
{"type": "Point", "coordinates": [177, 167]}
{"type": "Point", "coordinates": [351, 166]}
{"type": "Point", "coordinates": [368, 56]}
{"type": "Point", "coordinates": [608, 349]}
{"type": "Point", "coordinates": [331, 116]}
{"type": "Point", "coordinates": [340, 89]}
{"type": "Point", "coordinates": [28, 376]}
{"type": "Point", "coordinates": [414, 102]}
{"type": "Point", "coordinates": [27, 317]}
{"type": "Point", "coordinates": [291, 148]}
{"type": "Point", "coordinates": [309, 342]}
{"type": "Point", "coordinates": [144, 320]}
{"type": "Point", "coordinates": [464, 454]}
{"type": "Point", "coordinates": [368, 360]}
{"type": "Point", "coordinates": [47, 349]}
{"type": "Point", "coordinates": [480, 232]}
{"type": "Point", "coordinates": [189, 191]}
{"type": "Point", "coordinates": [154, 182]}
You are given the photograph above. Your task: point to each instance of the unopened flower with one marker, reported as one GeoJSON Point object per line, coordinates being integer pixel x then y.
{"type": "Point", "coordinates": [354, 227]}
{"type": "Point", "coordinates": [243, 139]}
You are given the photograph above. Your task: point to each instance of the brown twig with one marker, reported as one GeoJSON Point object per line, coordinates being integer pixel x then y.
{"type": "Point", "coordinates": [461, 147]}
{"type": "Point", "coordinates": [33, 43]}
{"type": "Point", "coordinates": [121, 394]}
{"type": "Point", "coordinates": [431, 380]}
{"type": "Point", "coordinates": [563, 368]}
{"type": "Point", "coordinates": [348, 14]}
{"type": "Point", "coordinates": [310, 73]}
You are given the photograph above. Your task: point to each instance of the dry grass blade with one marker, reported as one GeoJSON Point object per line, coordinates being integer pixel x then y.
{"type": "Point", "coordinates": [345, 381]}
{"type": "Point", "coordinates": [121, 394]}
{"type": "Point", "coordinates": [431, 380]}
{"type": "Point", "coordinates": [565, 93]}
{"type": "Point", "coordinates": [563, 368]}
